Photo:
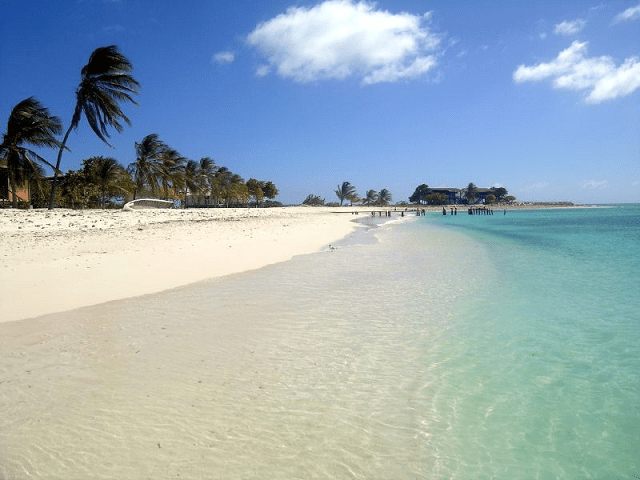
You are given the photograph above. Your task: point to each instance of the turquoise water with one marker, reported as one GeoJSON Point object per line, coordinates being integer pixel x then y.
{"type": "Point", "coordinates": [458, 347]}
{"type": "Point", "coordinates": [555, 348]}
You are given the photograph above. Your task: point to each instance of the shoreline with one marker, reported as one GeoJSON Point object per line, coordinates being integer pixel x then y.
{"type": "Point", "coordinates": [61, 260]}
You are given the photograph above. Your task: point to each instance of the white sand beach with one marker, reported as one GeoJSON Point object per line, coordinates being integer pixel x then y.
{"type": "Point", "coordinates": [54, 261]}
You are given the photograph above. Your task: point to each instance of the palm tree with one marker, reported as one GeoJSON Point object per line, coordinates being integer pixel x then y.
{"type": "Point", "coordinates": [171, 171]}
{"type": "Point", "coordinates": [146, 170]}
{"type": "Point", "coordinates": [236, 190]}
{"type": "Point", "coordinates": [192, 183]}
{"type": "Point", "coordinates": [105, 82]}
{"type": "Point", "coordinates": [371, 197]}
{"type": "Point", "coordinates": [30, 123]}
{"type": "Point", "coordinates": [106, 174]}
{"type": "Point", "coordinates": [222, 178]}
{"type": "Point", "coordinates": [255, 190]}
{"type": "Point", "coordinates": [384, 197]}
{"type": "Point", "coordinates": [471, 193]}
{"type": "Point", "coordinates": [206, 173]}
{"type": "Point", "coordinates": [346, 191]}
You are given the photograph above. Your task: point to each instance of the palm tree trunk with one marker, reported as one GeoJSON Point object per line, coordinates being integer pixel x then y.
{"type": "Point", "coordinates": [14, 188]}
{"type": "Point", "coordinates": [55, 172]}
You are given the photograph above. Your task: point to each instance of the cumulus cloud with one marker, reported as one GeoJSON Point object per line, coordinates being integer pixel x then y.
{"type": "Point", "coordinates": [630, 14]}
{"type": "Point", "coordinates": [224, 57]}
{"type": "Point", "coordinates": [338, 39]}
{"type": "Point", "coordinates": [573, 70]}
{"type": "Point", "coordinates": [570, 28]}
{"type": "Point", "coordinates": [595, 184]}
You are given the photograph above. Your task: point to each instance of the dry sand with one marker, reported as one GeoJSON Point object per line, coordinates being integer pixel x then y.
{"type": "Point", "coordinates": [66, 259]}
{"type": "Point", "coordinates": [54, 261]}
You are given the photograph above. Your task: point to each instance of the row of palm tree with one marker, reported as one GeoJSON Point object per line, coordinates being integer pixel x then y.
{"type": "Point", "coordinates": [160, 171]}
{"type": "Point", "coordinates": [346, 191]}
{"type": "Point", "coordinates": [106, 82]}
{"type": "Point", "coordinates": [381, 198]}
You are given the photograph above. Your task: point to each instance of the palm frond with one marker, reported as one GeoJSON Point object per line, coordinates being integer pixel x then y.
{"type": "Point", "coordinates": [105, 84]}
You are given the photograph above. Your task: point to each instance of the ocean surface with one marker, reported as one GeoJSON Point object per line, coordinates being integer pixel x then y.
{"type": "Point", "coordinates": [438, 347]}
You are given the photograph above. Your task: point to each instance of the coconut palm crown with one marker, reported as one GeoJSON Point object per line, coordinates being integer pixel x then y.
{"type": "Point", "coordinates": [105, 83]}
{"type": "Point", "coordinates": [346, 191]}
{"type": "Point", "coordinates": [30, 123]}
{"type": "Point", "coordinates": [146, 170]}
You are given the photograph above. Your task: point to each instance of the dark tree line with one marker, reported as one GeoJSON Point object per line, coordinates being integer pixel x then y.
{"type": "Point", "coordinates": [158, 169]}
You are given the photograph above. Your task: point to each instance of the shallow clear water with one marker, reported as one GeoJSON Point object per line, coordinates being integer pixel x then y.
{"type": "Point", "coordinates": [455, 347]}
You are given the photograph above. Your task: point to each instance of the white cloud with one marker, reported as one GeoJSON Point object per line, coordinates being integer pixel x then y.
{"type": "Point", "coordinates": [224, 57]}
{"type": "Point", "coordinates": [338, 39]}
{"type": "Point", "coordinates": [573, 70]}
{"type": "Point", "coordinates": [630, 14]}
{"type": "Point", "coordinates": [595, 184]}
{"type": "Point", "coordinates": [535, 187]}
{"type": "Point", "coordinates": [263, 70]}
{"type": "Point", "coordinates": [570, 28]}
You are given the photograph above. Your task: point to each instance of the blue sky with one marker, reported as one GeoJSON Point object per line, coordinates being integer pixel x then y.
{"type": "Point", "coordinates": [542, 98]}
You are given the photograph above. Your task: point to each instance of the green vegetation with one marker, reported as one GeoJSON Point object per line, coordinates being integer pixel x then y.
{"type": "Point", "coordinates": [471, 193]}
{"type": "Point", "coordinates": [105, 82]}
{"type": "Point", "coordinates": [381, 198]}
{"type": "Point", "coordinates": [384, 197]}
{"type": "Point", "coordinates": [346, 191]}
{"type": "Point", "coordinates": [500, 193]}
{"type": "Point", "coordinates": [29, 123]}
{"type": "Point", "coordinates": [419, 196]}
{"type": "Point", "coordinates": [158, 169]}
{"type": "Point", "coordinates": [423, 195]}
{"type": "Point", "coordinates": [313, 200]}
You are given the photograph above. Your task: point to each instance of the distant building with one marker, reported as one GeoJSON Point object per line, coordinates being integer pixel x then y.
{"type": "Point", "coordinates": [481, 194]}
{"type": "Point", "coordinates": [5, 188]}
{"type": "Point", "coordinates": [458, 195]}
{"type": "Point", "coordinates": [453, 195]}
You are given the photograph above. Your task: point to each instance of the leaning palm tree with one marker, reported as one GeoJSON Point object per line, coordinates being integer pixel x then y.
{"type": "Point", "coordinates": [146, 170]}
{"type": "Point", "coordinates": [105, 82]}
{"type": "Point", "coordinates": [346, 191]}
{"type": "Point", "coordinates": [30, 123]}
{"type": "Point", "coordinates": [370, 198]}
